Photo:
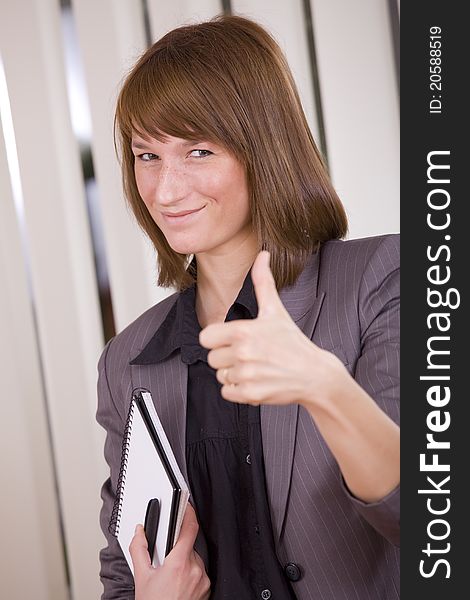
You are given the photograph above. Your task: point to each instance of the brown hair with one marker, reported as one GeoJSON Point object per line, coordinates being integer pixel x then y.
{"type": "Point", "coordinates": [227, 81]}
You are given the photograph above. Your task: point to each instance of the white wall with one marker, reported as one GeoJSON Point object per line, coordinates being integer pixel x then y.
{"type": "Point", "coordinates": [51, 331]}
{"type": "Point", "coordinates": [361, 110]}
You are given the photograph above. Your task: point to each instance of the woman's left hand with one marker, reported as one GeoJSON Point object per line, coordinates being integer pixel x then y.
{"type": "Point", "coordinates": [268, 360]}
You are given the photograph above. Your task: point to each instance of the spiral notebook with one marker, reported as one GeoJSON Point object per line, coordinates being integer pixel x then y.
{"type": "Point", "coordinates": [148, 471]}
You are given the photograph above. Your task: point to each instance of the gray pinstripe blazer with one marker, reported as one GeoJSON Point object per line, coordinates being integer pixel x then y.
{"type": "Point", "coordinates": [347, 301]}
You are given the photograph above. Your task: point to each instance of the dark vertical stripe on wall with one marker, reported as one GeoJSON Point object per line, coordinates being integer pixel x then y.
{"type": "Point", "coordinates": [395, 30]}
{"type": "Point", "coordinates": [227, 7]}
{"type": "Point", "coordinates": [308, 18]}
{"type": "Point", "coordinates": [147, 29]}
{"type": "Point", "coordinates": [95, 225]}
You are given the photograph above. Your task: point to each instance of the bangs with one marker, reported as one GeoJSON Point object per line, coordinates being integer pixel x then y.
{"type": "Point", "coordinates": [175, 93]}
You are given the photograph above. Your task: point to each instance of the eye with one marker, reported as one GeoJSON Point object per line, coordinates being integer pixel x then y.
{"type": "Point", "coordinates": [200, 153]}
{"type": "Point", "coordinates": [147, 156]}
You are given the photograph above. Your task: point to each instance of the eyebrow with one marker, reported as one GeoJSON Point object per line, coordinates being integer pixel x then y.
{"type": "Point", "coordinates": [145, 146]}
{"type": "Point", "coordinates": [140, 145]}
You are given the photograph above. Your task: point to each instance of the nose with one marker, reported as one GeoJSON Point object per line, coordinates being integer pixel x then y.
{"type": "Point", "coordinates": [170, 186]}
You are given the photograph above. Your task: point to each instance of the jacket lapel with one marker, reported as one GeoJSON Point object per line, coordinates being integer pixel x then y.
{"type": "Point", "coordinates": [279, 423]}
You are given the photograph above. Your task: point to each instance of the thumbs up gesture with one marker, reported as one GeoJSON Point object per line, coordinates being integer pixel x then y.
{"type": "Point", "coordinates": [267, 360]}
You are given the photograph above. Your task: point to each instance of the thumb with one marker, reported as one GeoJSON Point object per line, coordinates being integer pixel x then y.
{"type": "Point", "coordinates": [268, 299]}
{"type": "Point", "coordinates": [188, 532]}
{"type": "Point", "coordinates": [139, 551]}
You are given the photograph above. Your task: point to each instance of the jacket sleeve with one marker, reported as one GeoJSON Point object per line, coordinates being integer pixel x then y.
{"type": "Point", "coordinates": [377, 369]}
{"type": "Point", "coordinates": [115, 574]}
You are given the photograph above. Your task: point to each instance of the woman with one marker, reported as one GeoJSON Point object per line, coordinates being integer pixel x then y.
{"type": "Point", "coordinates": [274, 368]}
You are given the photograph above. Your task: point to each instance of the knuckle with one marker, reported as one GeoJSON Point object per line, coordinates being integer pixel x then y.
{"type": "Point", "coordinates": [206, 584]}
{"type": "Point", "coordinates": [225, 392]}
{"type": "Point", "coordinates": [241, 332]}
{"type": "Point", "coordinates": [210, 358]}
{"type": "Point", "coordinates": [196, 573]}
{"type": "Point", "coordinates": [244, 351]}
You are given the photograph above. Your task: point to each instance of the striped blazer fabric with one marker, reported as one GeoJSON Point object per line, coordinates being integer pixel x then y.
{"type": "Point", "coordinates": [347, 301]}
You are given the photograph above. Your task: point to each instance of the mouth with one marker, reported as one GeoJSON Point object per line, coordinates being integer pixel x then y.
{"type": "Point", "coordinates": [181, 217]}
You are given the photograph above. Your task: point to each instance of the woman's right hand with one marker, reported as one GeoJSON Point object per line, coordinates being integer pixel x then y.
{"type": "Point", "coordinates": [181, 577]}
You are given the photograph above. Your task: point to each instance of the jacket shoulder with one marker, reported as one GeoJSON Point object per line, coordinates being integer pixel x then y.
{"type": "Point", "coordinates": [345, 266]}
{"type": "Point", "coordinates": [360, 280]}
{"type": "Point", "coordinates": [362, 249]}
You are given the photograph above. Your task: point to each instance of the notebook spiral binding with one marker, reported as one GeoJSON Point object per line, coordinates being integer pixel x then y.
{"type": "Point", "coordinates": [115, 520]}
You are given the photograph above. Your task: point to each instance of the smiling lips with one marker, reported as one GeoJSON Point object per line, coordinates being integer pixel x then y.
{"type": "Point", "coordinates": [181, 216]}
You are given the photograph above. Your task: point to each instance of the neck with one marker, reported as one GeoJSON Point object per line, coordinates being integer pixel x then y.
{"type": "Point", "coordinates": [220, 278]}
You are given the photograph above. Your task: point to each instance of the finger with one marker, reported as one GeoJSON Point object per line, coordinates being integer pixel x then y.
{"type": "Point", "coordinates": [243, 393]}
{"type": "Point", "coordinates": [267, 297]}
{"type": "Point", "coordinates": [225, 376]}
{"type": "Point", "coordinates": [139, 551]}
{"type": "Point", "coordinates": [205, 584]}
{"type": "Point", "coordinates": [223, 334]}
{"type": "Point", "coordinates": [188, 532]}
{"type": "Point", "coordinates": [221, 358]}
{"type": "Point", "coordinates": [199, 561]}
{"type": "Point", "coordinates": [241, 373]}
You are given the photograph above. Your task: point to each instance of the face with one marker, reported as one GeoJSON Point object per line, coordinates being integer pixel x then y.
{"type": "Point", "coordinates": [196, 192]}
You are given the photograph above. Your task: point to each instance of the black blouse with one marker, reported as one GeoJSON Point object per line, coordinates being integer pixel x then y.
{"type": "Point", "coordinates": [225, 465]}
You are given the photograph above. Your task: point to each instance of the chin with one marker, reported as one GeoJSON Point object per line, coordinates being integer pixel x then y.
{"type": "Point", "coordinates": [187, 247]}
